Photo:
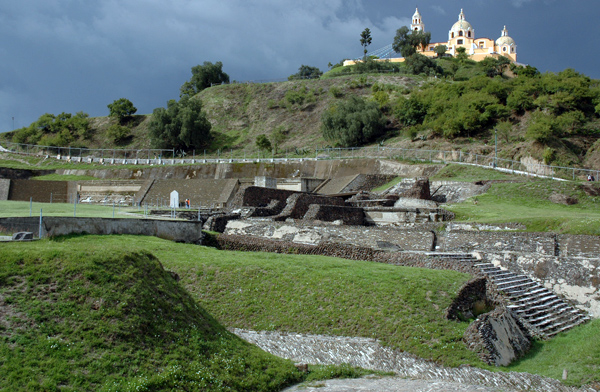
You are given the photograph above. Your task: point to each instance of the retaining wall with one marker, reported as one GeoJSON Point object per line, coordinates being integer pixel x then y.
{"type": "Point", "coordinates": [179, 231]}
{"type": "Point", "coordinates": [306, 168]}
{"type": "Point", "coordinates": [469, 241]}
{"type": "Point", "coordinates": [42, 191]}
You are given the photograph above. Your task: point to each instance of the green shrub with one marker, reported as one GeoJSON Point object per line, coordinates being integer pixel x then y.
{"type": "Point", "coordinates": [118, 133]}
{"type": "Point", "coordinates": [352, 122]}
{"type": "Point", "coordinates": [336, 92]}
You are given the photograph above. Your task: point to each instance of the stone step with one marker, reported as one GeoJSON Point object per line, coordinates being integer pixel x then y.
{"type": "Point", "coordinates": [519, 287]}
{"type": "Point", "coordinates": [496, 276]}
{"type": "Point", "coordinates": [554, 329]}
{"type": "Point", "coordinates": [504, 282]}
{"type": "Point", "coordinates": [562, 307]}
{"type": "Point", "coordinates": [537, 305]}
{"type": "Point", "coordinates": [567, 326]}
{"type": "Point", "coordinates": [533, 292]}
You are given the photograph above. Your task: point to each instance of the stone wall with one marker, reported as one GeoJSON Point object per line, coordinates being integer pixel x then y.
{"type": "Point", "coordinates": [4, 189]}
{"type": "Point", "coordinates": [254, 196]}
{"type": "Point", "coordinates": [202, 192]}
{"type": "Point", "coordinates": [347, 215]}
{"type": "Point", "coordinates": [297, 205]}
{"type": "Point", "coordinates": [498, 337]}
{"type": "Point", "coordinates": [378, 238]}
{"type": "Point", "coordinates": [179, 231]}
{"type": "Point", "coordinates": [254, 244]}
{"type": "Point", "coordinates": [42, 191]}
{"type": "Point", "coordinates": [469, 241]}
{"type": "Point", "coordinates": [21, 174]}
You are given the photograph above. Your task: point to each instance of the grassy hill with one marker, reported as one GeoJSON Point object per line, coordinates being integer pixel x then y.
{"type": "Point", "coordinates": [552, 118]}
{"type": "Point", "coordinates": [84, 316]}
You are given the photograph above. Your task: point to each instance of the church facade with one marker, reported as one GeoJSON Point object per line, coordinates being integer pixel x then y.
{"type": "Point", "coordinates": [462, 34]}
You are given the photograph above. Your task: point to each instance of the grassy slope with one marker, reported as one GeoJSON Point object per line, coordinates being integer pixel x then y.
{"type": "Point", "coordinates": [526, 201]}
{"type": "Point", "coordinates": [80, 315]}
{"type": "Point", "coordinates": [401, 306]}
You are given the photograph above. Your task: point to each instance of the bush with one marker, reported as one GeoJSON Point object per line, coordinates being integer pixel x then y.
{"type": "Point", "coordinates": [541, 127]}
{"type": "Point", "coordinates": [118, 133]}
{"type": "Point", "coordinates": [352, 122]}
{"type": "Point", "coordinates": [336, 92]}
{"type": "Point", "coordinates": [182, 125]}
{"type": "Point", "coordinates": [263, 143]}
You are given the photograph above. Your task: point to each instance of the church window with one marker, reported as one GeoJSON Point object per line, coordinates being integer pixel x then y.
{"type": "Point", "coordinates": [504, 49]}
{"type": "Point", "coordinates": [482, 44]}
{"type": "Point", "coordinates": [459, 42]}
{"type": "Point", "coordinates": [460, 33]}
{"type": "Point", "coordinates": [512, 50]}
{"type": "Point", "coordinates": [452, 34]}
{"type": "Point", "coordinates": [469, 34]}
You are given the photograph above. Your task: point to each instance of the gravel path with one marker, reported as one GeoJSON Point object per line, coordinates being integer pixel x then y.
{"type": "Point", "coordinates": [413, 373]}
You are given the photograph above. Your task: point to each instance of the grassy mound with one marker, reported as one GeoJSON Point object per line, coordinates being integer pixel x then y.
{"type": "Point", "coordinates": [79, 317]}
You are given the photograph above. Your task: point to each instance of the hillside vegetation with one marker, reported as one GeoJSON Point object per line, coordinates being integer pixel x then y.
{"type": "Point", "coordinates": [449, 103]}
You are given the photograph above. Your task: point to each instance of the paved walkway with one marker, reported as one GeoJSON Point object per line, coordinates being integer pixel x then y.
{"type": "Point", "coordinates": [414, 374]}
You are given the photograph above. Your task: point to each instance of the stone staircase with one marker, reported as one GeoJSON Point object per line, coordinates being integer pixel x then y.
{"type": "Point", "coordinates": [541, 311]}
{"type": "Point", "coordinates": [458, 257]}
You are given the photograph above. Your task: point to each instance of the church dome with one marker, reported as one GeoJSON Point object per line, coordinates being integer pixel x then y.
{"type": "Point", "coordinates": [505, 39]}
{"type": "Point", "coordinates": [462, 27]}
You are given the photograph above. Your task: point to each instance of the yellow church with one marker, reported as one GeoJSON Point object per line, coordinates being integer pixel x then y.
{"type": "Point", "coordinates": [462, 34]}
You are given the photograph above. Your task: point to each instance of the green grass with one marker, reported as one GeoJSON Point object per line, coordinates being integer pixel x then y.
{"type": "Point", "coordinates": [21, 208]}
{"type": "Point", "coordinates": [403, 307]}
{"type": "Point", "coordinates": [314, 294]}
{"type": "Point", "coordinates": [528, 203]}
{"type": "Point", "coordinates": [78, 315]}
{"type": "Point", "coordinates": [467, 173]}
{"type": "Point", "coordinates": [577, 351]}
{"type": "Point", "coordinates": [388, 185]}
{"type": "Point", "coordinates": [63, 177]}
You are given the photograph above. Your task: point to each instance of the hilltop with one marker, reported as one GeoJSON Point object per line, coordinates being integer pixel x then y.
{"type": "Point", "coordinates": [550, 118]}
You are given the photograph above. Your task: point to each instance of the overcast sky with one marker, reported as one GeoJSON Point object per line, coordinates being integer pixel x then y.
{"type": "Point", "coordinates": [80, 55]}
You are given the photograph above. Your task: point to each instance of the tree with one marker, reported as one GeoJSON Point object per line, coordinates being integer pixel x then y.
{"type": "Point", "coordinates": [182, 125]}
{"type": "Point", "coordinates": [203, 76]}
{"type": "Point", "coordinates": [418, 64]}
{"type": "Point", "coordinates": [306, 72]}
{"type": "Point", "coordinates": [365, 40]}
{"type": "Point", "coordinates": [263, 143]}
{"type": "Point", "coordinates": [461, 54]}
{"type": "Point", "coordinates": [121, 108]}
{"type": "Point", "coordinates": [440, 50]}
{"type": "Point", "coordinates": [352, 122]}
{"type": "Point", "coordinates": [406, 42]}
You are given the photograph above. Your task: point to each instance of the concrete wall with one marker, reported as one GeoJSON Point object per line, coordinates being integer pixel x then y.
{"type": "Point", "coordinates": [307, 168]}
{"type": "Point", "coordinates": [205, 192]}
{"type": "Point", "coordinates": [42, 191]}
{"type": "Point", "coordinates": [180, 231]}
